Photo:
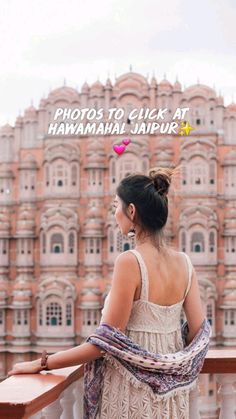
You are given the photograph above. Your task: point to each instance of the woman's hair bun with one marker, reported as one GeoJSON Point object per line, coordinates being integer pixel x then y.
{"type": "Point", "coordinates": [161, 177]}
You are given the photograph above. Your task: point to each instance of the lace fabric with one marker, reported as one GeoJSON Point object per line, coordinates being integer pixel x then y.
{"type": "Point", "coordinates": [158, 329]}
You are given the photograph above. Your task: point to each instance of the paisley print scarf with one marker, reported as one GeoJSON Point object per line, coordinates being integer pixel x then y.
{"type": "Point", "coordinates": [162, 372]}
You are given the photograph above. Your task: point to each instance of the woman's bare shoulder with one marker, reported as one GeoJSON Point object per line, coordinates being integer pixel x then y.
{"type": "Point", "coordinates": [177, 254]}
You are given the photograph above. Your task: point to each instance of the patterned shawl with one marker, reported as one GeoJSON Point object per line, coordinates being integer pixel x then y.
{"type": "Point", "coordinates": [164, 373]}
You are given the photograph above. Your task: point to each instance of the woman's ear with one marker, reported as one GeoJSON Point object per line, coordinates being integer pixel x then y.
{"type": "Point", "coordinates": [132, 209]}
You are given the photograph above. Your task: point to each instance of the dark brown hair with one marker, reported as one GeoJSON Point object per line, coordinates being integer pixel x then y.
{"type": "Point", "coordinates": [149, 194]}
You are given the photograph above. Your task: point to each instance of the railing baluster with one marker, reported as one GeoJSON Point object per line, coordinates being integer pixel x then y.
{"type": "Point", "coordinates": [53, 410]}
{"type": "Point", "coordinates": [67, 402]}
{"type": "Point", "coordinates": [79, 398]}
{"type": "Point", "coordinates": [38, 415]}
{"type": "Point", "coordinates": [194, 403]}
{"type": "Point", "coordinates": [227, 392]}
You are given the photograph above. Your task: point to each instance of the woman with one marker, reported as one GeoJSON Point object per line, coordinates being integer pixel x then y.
{"type": "Point", "coordinates": [150, 285]}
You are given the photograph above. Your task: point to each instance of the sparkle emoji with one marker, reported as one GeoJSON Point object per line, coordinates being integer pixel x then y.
{"type": "Point", "coordinates": [185, 128]}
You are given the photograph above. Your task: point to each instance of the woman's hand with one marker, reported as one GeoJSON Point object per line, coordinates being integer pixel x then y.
{"type": "Point", "coordinates": [31, 367]}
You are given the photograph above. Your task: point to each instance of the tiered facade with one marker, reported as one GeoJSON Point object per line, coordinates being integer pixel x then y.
{"type": "Point", "coordinates": [58, 234]}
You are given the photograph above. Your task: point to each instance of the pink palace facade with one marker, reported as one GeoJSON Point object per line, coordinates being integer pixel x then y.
{"type": "Point", "coordinates": [58, 235]}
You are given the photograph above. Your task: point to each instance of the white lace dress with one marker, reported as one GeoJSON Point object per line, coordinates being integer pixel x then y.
{"type": "Point", "coordinates": [156, 328]}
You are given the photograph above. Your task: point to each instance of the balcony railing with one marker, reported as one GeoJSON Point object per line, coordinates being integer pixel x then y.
{"type": "Point", "coordinates": [58, 394]}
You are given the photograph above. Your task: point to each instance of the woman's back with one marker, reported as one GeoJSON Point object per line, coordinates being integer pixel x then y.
{"type": "Point", "coordinates": [157, 328]}
{"type": "Point", "coordinates": [153, 317]}
{"type": "Point", "coordinates": [166, 276]}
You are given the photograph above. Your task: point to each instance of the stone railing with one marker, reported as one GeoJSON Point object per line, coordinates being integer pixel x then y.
{"type": "Point", "coordinates": [58, 394]}
{"type": "Point", "coordinates": [50, 394]}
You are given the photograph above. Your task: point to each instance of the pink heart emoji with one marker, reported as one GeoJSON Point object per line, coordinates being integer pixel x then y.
{"type": "Point", "coordinates": [126, 141]}
{"type": "Point", "coordinates": [119, 148]}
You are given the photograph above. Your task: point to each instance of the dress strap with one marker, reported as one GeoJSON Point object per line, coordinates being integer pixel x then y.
{"type": "Point", "coordinates": [144, 275]}
{"type": "Point", "coordinates": [190, 269]}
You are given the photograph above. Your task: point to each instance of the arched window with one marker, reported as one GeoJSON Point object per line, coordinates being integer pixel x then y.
{"type": "Point", "coordinates": [230, 318]}
{"type": "Point", "coordinates": [1, 317]}
{"type": "Point", "coordinates": [230, 244]}
{"type": "Point", "coordinates": [60, 173]}
{"type": "Point", "coordinates": [211, 242]}
{"type": "Point", "coordinates": [68, 314]}
{"type": "Point", "coordinates": [73, 175]}
{"type": "Point", "coordinates": [209, 313]}
{"type": "Point", "coordinates": [183, 241]}
{"type": "Point", "coordinates": [230, 175]}
{"type": "Point", "coordinates": [126, 246]}
{"type": "Point", "coordinates": [71, 242]}
{"type": "Point", "coordinates": [184, 171]}
{"type": "Point", "coordinates": [111, 240]}
{"type": "Point", "coordinates": [91, 245]}
{"type": "Point", "coordinates": [212, 174]}
{"type": "Point", "coordinates": [198, 172]}
{"type": "Point", "coordinates": [44, 243]}
{"type": "Point", "coordinates": [99, 177]}
{"type": "Point", "coordinates": [231, 129]}
{"type": "Point", "coordinates": [119, 242]}
{"type": "Point", "coordinates": [21, 317]}
{"type": "Point", "coordinates": [40, 316]}
{"type": "Point", "coordinates": [127, 165]}
{"type": "Point", "coordinates": [47, 176]}
{"type": "Point", "coordinates": [93, 177]}
{"type": "Point", "coordinates": [53, 314]}
{"type": "Point", "coordinates": [145, 166]}
{"type": "Point", "coordinates": [98, 243]}
{"type": "Point", "coordinates": [113, 171]}
{"type": "Point", "coordinates": [57, 243]}
{"type": "Point", "coordinates": [91, 317]}
{"type": "Point", "coordinates": [197, 242]}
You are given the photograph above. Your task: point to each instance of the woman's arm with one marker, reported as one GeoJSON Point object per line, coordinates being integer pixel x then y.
{"type": "Point", "coordinates": [117, 314]}
{"type": "Point", "coordinates": [68, 358]}
{"type": "Point", "coordinates": [193, 308]}
{"type": "Point", "coordinates": [74, 356]}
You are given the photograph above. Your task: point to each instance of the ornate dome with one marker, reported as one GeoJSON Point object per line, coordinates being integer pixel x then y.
{"type": "Point", "coordinates": [68, 94]}
{"type": "Point", "coordinates": [165, 85]}
{"type": "Point", "coordinates": [200, 90]}
{"type": "Point", "coordinates": [19, 120]}
{"type": "Point", "coordinates": [6, 129]}
{"type": "Point", "coordinates": [177, 86]}
{"type": "Point", "coordinates": [131, 81]}
{"type": "Point", "coordinates": [153, 82]}
{"type": "Point", "coordinates": [42, 103]}
{"type": "Point", "coordinates": [231, 107]}
{"type": "Point", "coordinates": [108, 84]}
{"type": "Point", "coordinates": [85, 88]}
{"type": "Point", "coordinates": [97, 86]}
{"type": "Point", "coordinates": [30, 113]}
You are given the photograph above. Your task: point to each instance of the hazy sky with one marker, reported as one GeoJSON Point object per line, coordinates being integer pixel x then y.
{"type": "Point", "coordinates": [43, 42]}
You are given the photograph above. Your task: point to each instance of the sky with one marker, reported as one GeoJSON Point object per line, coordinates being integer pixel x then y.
{"type": "Point", "coordinates": [44, 44]}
